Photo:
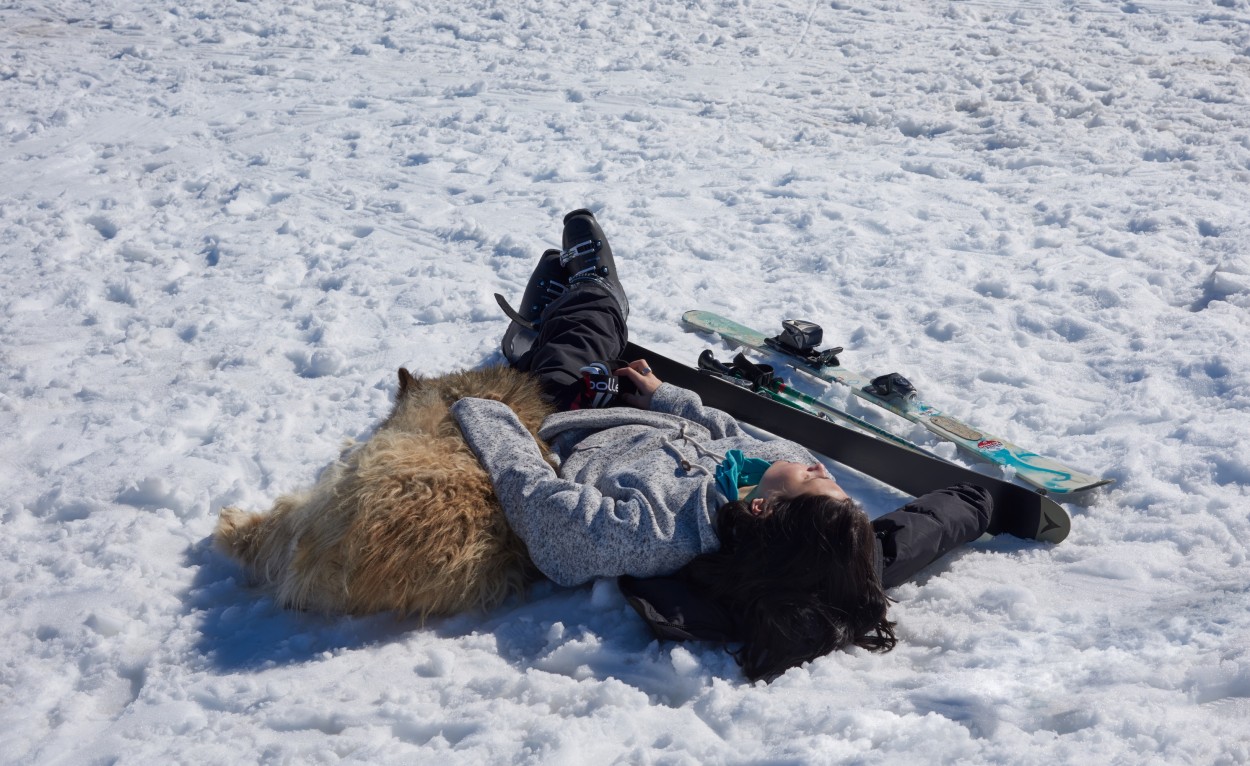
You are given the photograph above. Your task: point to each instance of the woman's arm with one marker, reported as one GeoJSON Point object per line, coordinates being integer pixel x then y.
{"type": "Point", "coordinates": [573, 532]}
{"type": "Point", "coordinates": [654, 394]}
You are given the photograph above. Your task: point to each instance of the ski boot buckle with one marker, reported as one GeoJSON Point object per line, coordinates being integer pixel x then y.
{"type": "Point", "coordinates": [580, 250]}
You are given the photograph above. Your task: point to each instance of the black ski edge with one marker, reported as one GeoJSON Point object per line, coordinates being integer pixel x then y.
{"type": "Point", "coordinates": [1019, 511]}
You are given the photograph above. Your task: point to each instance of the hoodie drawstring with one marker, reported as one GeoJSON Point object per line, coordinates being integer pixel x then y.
{"type": "Point", "coordinates": [700, 451]}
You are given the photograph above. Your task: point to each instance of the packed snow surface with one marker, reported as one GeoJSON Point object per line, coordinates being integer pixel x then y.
{"type": "Point", "coordinates": [224, 225]}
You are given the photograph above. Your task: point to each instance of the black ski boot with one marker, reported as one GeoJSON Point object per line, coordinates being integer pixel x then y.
{"type": "Point", "coordinates": [548, 282]}
{"type": "Point", "coordinates": [587, 255]}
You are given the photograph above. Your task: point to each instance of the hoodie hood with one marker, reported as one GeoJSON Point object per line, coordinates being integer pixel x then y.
{"type": "Point", "coordinates": [563, 423]}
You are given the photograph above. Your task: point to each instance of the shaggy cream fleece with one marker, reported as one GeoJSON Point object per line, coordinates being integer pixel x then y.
{"type": "Point", "coordinates": [407, 521]}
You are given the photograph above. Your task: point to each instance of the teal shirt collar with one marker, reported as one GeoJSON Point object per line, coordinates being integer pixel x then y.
{"type": "Point", "coordinates": [737, 470]}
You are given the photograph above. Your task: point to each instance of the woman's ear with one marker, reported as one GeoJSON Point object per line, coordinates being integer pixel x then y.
{"type": "Point", "coordinates": [757, 506]}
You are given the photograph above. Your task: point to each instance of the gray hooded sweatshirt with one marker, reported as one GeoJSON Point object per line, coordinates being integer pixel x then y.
{"type": "Point", "coordinates": [635, 490]}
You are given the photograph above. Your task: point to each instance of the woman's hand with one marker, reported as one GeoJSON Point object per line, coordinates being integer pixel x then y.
{"type": "Point", "coordinates": [639, 373]}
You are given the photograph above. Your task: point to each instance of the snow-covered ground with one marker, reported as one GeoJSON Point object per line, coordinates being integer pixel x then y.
{"type": "Point", "coordinates": [224, 224]}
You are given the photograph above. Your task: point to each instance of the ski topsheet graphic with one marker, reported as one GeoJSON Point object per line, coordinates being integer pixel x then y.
{"type": "Point", "coordinates": [894, 393]}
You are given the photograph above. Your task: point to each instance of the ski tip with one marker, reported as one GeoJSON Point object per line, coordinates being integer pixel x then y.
{"type": "Point", "coordinates": [1083, 496]}
{"type": "Point", "coordinates": [1039, 518]}
{"type": "Point", "coordinates": [1045, 475]}
{"type": "Point", "coordinates": [1054, 524]}
{"type": "Point", "coordinates": [690, 320]}
{"type": "Point", "coordinates": [1073, 493]}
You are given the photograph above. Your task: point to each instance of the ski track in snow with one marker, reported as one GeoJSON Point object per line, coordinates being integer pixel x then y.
{"type": "Point", "coordinates": [224, 225]}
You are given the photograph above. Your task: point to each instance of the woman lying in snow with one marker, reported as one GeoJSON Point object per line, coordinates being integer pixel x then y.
{"type": "Point", "coordinates": [713, 533]}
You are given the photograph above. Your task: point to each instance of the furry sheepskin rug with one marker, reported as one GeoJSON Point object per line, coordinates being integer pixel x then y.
{"type": "Point", "coordinates": [407, 521]}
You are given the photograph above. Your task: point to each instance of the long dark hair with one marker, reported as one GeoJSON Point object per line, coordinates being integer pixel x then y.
{"type": "Point", "coordinates": [799, 581]}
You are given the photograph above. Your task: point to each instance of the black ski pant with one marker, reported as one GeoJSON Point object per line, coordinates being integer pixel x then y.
{"type": "Point", "coordinates": [928, 528]}
{"type": "Point", "coordinates": [582, 326]}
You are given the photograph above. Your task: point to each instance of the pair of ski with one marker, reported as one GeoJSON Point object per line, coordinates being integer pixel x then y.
{"type": "Point", "coordinates": [797, 345]}
{"type": "Point", "coordinates": [1018, 510]}
{"type": "Point", "coordinates": [762, 380]}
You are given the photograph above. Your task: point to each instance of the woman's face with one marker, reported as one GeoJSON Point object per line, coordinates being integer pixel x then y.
{"type": "Point", "coordinates": [785, 480]}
